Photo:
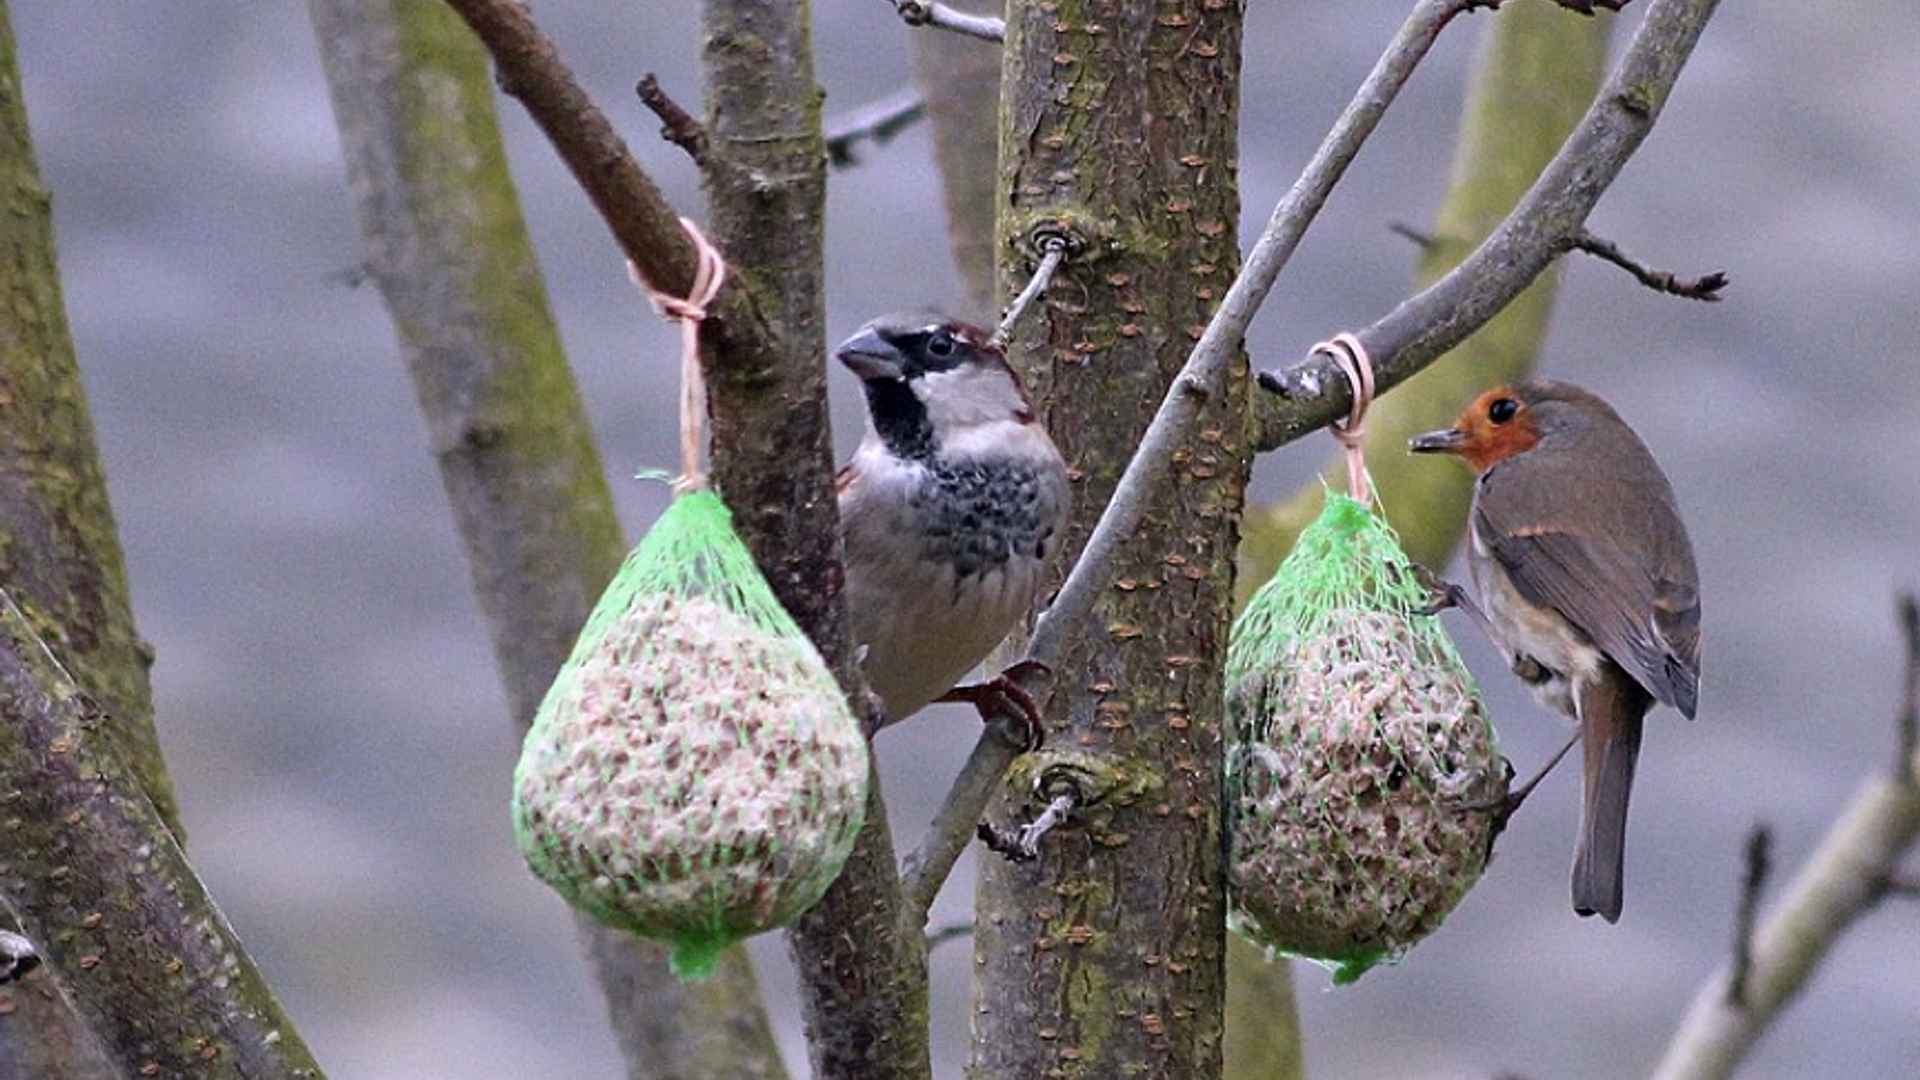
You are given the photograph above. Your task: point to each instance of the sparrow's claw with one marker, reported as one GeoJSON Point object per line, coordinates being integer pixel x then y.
{"type": "Point", "coordinates": [1003, 695]}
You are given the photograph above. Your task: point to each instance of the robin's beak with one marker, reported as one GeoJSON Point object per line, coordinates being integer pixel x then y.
{"type": "Point", "coordinates": [870, 356]}
{"type": "Point", "coordinates": [1448, 441]}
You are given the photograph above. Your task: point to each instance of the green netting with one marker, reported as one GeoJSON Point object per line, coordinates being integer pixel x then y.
{"type": "Point", "coordinates": [1364, 766]}
{"type": "Point", "coordinates": [694, 772]}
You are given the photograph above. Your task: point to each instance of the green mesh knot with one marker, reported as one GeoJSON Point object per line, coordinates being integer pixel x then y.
{"type": "Point", "coordinates": [694, 772]}
{"type": "Point", "coordinates": [1364, 766]}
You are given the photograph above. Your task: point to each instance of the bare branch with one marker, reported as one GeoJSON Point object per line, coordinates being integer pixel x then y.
{"type": "Point", "coordinates": [1705, 287]}
{"type": "Point", "coordinates": [925, 869]}
{"type": "Point", "coordinates": [1056, 248]}
{"type": "Point", "coordinates": [1752, 885]}
{"type": "Point", "coordinates": [1312, 394]}
{"type": "Point", "coordinates": [647, 227]}
{"type": "Point", "coordinates": [677, 125]}
{"type": "Point", "coordinates": [1847, 875]}
{"type": "Point", "coordinates": [941, 17]}
{"type": "Point", "coordinates": [1906, 765]}
{"type": "Point", "coordinates": [879, 121]}
{"type": "Point", "coordinates": [1405, 231]}
{"type": "Point", "coordinates": [17, 957]}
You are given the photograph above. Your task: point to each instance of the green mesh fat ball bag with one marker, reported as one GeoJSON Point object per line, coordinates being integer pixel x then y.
{"type": "Point", "coordinates": [694, 773]}
{"type": "Point", "coordinates": [1364, 763]}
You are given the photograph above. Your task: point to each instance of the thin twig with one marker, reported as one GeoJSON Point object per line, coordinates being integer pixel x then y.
{"type": "Point", "coordinates": [1056, 813]}
{"type": "Point", "coordinates": [1906, 766]}
{"type": "Point", "coordinates": [1904, 885]}
{"type": "Point", "coordinates": [17, 957]}
{"type": "Point", "coordinates": [1312, 394]}
{"type": "Point", "coordinates": [677, 125]}
{"type": "Point", "coordinates": [1420, 239]}
{"type": "Point", "coordinates": [879, 121]}
{"type": "Point", "coordinates": [1705, 287]}
{"type": "Point", "coordinates": [1753, 885]}
{"type": "Point", "coordinates": [941, 17]}
{"type": "Point", "coordinates": [925, 869]}
{"type": "Point", "coordinates": [955, 932]}
{"type": "Point", "coordinates": [1056, 253]}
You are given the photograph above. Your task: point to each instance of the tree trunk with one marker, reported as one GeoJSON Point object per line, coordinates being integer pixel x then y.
{"type": "Point", "coordinates": [60, 553]}
{"type": "Point", "coordinates": [1104, 958]}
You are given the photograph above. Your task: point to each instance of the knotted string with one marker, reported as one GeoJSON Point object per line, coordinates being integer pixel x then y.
{"type": "Point", "coordinates": [1354, 362]}
{"type": "Point", "coordinates": [689, 311]}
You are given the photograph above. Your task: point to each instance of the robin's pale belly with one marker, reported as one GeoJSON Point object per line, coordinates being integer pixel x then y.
{"type": "Point", "coordinates": [1543, 647]}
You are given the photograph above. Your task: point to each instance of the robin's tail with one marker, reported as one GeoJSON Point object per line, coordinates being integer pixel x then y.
{"type": "Point", "coordinates": [1612, 707]}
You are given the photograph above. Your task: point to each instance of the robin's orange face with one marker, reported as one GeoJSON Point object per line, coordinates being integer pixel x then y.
{"type": "Point", "coordinates": [1495, 427]}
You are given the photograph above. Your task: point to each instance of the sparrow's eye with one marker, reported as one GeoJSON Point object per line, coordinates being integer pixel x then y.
{"type": "Point", "coordinates": [940, 345]}
{"type": "Point", "coordinates": [1502, 410]}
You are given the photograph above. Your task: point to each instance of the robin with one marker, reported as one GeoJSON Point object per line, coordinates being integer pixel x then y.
{"type": "Point", "coordinates": [1586, 579]}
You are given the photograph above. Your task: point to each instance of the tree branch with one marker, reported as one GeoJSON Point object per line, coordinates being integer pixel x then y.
{"type": "Point", "coordinates": [1705, 287]}
{"type": "Point", "coordinates": [863, 981]}
{"type": "Point", "coordinates": [107, 897]}
{"type": "Point", "coordinates": [677, 125]}
{"type": "Point", "coordinates": [1753, 885]}
{"type": "Point", "coordinates": [1206, 366]}
{"type": "Point", "coordinates": [647, 227]}
{"type": "Point", "coordinates": [1535, 73]}
{"type": "Point", "coordinates": [879, 121]}
{"type": "Point", "coordinates": [1843, 880]}
{"type": "Point", "coordinates": [943, 17]}
{"type": "Point", "coordinates": [925, 869]}
{"type": "Point", "coordinates": [1312, 394]}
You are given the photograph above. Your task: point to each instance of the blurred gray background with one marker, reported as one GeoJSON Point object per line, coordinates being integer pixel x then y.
{"type": "Point", "coordinates": [326, 693]}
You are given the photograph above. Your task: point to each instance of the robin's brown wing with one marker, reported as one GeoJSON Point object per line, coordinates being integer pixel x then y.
{"type": "Point", "coordinates": [1637, 601]}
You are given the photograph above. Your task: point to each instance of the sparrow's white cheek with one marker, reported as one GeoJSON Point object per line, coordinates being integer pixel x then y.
{"type": "Point", "coordinates": [967, 397]}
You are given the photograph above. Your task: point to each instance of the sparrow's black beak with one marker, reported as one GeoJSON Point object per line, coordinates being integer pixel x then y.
{"type": "Point", "coordinates": [1438, 442]}
{"type": "Point", "coordinates": [871, 356]}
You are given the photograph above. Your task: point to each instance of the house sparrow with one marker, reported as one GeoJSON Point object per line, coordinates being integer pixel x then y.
{"type": "Point", "coordinates": [951, 509]}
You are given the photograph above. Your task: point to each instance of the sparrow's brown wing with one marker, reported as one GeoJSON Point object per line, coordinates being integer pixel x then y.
{"type": "Point", "coordinates": [1611, 557]}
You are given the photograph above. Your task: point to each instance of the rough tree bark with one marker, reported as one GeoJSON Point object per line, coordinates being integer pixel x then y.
{"type": "Point", "coordinates": [862, 967]}
{"type": "Point", "coordinates": [60, 553]}
{"type": "Point", "coordinates": [1104, 957]}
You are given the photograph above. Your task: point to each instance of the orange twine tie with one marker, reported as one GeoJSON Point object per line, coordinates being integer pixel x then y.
{"type": "Point", "coordinates": [689, 311]}
{"type": "Point", "coordinates": [1346, 351]}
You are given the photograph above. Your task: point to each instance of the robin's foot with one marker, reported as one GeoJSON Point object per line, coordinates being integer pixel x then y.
{"type": "Point", "coordinates": [1003, 696]}
{"type": "Point", "coordinates": [1445, 594]}
{"type": "Point", "coordinates": [1507, 805]}
{"type": "Point", "coordinates": [1530, 671]}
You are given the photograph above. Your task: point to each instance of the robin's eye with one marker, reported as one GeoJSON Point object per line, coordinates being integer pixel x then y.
{"type": "Point", "coordinates": [940, 344]}
{"type": "Point", "coordinates": [1502, 410]}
